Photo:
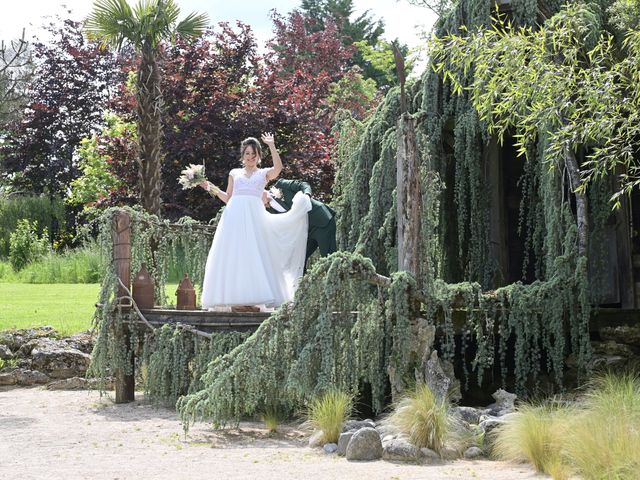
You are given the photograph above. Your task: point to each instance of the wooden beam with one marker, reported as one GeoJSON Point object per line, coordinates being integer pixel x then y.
{"type": "Point", "coordinates": [121, 236]}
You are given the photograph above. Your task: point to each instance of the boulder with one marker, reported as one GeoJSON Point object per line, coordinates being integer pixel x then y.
{"type": "Point", "coordinates": [73, 383]}
{"type": "Point", "coordinates": [468, 414]}
{"type": "Point", "coordinates": [429, 456]}
{"type": "Point", "coordinates": [400, 450]}
{"type": "Point", "coordinates": [316, 439]}
{"type": "Point", "coordinates": [440, 378]}
{"type": "Point", "coordinates": [5, 352]}
{"type": "Point", "coordinates": [31, 377]}
{"type": "Point", "coordinates": [343, 442]}
{"type": "Point", "coordinates": [330, 448]}
{"type": "Point", "coordinates": [57, 359]}
{"type": "Point", "coordinates": [504, 403]}
{"type": "Point", "coordinates": [355, 425]}
{"type": "Point", "coordinates": [473, 452]}
{"type": "Point", "coordinates": [9, 377]}
{"type": "Point", "coordinates": [626, 334]}
{"type": "Point", "coordinates": [449, 453]}
{"type": "Point", "coordinates": [365, 445]}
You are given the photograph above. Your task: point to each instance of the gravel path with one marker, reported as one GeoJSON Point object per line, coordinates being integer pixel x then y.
{"type": "Point", "coordinates": [50, 435]}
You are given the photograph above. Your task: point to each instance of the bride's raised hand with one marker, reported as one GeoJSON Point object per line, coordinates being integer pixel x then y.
{"type": "Point", "coordinates": [267, 138]}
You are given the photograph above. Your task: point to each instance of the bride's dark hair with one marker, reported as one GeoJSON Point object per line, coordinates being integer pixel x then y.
{"type": "Point", "coordinates": [251, 142]}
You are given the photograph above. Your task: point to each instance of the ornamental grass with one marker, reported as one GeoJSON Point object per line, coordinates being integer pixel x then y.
{"type": "Point", "coordinates": [328, 413]}
{"type": "Point", "coordinates": [596, 439]}
{"type": "Point", "coordinates": [422, 417]}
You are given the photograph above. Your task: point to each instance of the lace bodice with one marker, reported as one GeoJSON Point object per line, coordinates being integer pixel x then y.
{"type": "Point", "coordinates": [253, 185]}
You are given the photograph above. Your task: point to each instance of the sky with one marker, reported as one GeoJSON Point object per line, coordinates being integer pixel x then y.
{"type": "Point", "coordinates": [402, 20]}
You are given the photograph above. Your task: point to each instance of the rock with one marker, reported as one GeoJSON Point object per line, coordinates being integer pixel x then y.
{"type": "Point", "coordinates": [316, 439]}
{"type": "Point", "coordinates": [488, 426]}
{"type": "Point", "coordinates": [57, 359]}
{"type": "Point", "coordinates": [473, 452]}
{"type": "Point", "coordinates": [400, 450]}
{"type": "Point", "coordinates": [9, 378]}
{"type": "Point", "coordinates": [14, 339]}
{"type": "Point", "coordinates": [626, 334]}
{"type": "Point", "coordinates": [330, 448]}
{"type": "Point", "coordinates": [365, 445]}
{"type": "Point", "coordinates": [355, 425]}
{"type": "Point", "coordinates": [504, 402]}
{"type": "Point", "coordinates": [385, 429]}
{"type": "Point", "coordinates": [343, 442]}
{"type": "Point", "coordinates": [5, 352]}
{"type": "Point", "coordinates": [429, 456]}
{"type": "Point", "coordinates": [31, 377]}
{"type": "Point", "coordinates": [79, 383]}
{"type": "Point", "coordinates": [468, 414]}
{"type": "Point", "coordinates": [386, 439]}
{"type": "Point", "coordinates": [435, 377]}
{"type": "Point", "coordinates": [449, 453]}
{"type": "Point", "coordinates": [611, 348]}
{"type": "Point", "coordinates": [81, 341]}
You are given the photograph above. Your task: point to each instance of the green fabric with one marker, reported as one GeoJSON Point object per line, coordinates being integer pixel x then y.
{"type": "Point", "coordinates": [320, 214]}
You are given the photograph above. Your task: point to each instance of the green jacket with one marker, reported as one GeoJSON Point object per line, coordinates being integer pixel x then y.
{"type": "Point", "coordinates": [320, 214]}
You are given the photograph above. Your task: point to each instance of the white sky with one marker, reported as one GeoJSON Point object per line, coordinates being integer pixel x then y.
{"type": "Point", "coordinates": [402, 20]}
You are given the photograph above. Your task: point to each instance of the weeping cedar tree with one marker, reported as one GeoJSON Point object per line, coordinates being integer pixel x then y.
{"type": "Point", "coordinates": [145, 27]}
{"type": "Point", "coordinates": [570, 80]}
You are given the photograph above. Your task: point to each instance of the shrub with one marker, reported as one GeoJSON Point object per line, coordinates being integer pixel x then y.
{"type": "Point", "coordinates": [328, 412]}
{"type": "Point", "coordinates": [79, 265]}
{"type": "Point", "coordinates": [422, 417]}
{"type": "Point", "coordinates": [25, 245]}
{"type": "Point", "coordinates": [49, 213]}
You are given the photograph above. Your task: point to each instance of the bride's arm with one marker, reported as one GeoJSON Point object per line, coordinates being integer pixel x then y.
{"type": "Point", "coordinates": [277, 161]}
{"type": "Point", "coordinates": [216, 192]}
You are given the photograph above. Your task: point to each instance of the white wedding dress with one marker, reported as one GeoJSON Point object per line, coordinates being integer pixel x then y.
{"type": "Point", "coordinates": [256, 257]}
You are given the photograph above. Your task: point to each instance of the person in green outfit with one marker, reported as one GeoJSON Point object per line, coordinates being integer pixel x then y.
{"type": "Point", "coordinates": [322, 221]}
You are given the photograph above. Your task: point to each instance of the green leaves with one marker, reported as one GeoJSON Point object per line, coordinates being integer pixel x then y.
{"type": "Point", "coordinates": [566, 79]}
{"type": "Point", "coordinates": [115, 23]}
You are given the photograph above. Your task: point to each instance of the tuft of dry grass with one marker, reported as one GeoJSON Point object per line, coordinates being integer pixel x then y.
{"type": "Point", "coordinates": [422, 417]}
{"type": "Point", "coordinates": [328, 412]}
{"type": "Point", "coordinates": [534, 435]}
{"type": "Point", "coordinates": [599, 438]}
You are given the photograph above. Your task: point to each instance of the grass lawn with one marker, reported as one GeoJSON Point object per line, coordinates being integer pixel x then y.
{"type": "Point", "coordinates": [66, 307]}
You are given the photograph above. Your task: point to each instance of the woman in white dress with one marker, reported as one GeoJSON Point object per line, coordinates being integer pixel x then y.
{"type": "Point", "coordinates": [256, 258]}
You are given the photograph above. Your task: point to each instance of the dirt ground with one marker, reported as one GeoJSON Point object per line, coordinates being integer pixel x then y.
{"type": "Point", "coordinates": [48, 435]}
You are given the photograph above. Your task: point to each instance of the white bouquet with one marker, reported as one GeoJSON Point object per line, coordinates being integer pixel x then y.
{"type": "Point", "coordinates": [192, 176]}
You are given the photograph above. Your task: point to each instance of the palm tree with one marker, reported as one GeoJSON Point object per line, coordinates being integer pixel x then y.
{"type": "Point", "coordinates": [115, 23]}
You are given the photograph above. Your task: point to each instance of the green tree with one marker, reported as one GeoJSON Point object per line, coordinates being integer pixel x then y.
{"type": "Point", "coordinates": [98, 180]}
{"type": "Point", "coordinates": [145, 27]}
{"type": "Point", "coordinates": [569, 83]}
{"type": "Point", "coordinates": [373, 54]}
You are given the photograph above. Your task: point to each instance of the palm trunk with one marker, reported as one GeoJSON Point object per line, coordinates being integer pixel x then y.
{"type": "Point", "coordinates": [149, 108]}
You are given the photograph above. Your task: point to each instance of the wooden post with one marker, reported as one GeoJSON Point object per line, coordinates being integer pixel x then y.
{"type": "Point", "coordinates": [121, 235]}
{"type": "Point", "coordinates": [409, 197]}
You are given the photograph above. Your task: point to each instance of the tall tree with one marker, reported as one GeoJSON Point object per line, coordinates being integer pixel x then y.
{"type": "Point", "coordinates": [66, 100]}
{"type": "Point", "coordinates": [145, 27]}
{"type": "Point", "coordinates": [16, 68]}
{"type": "Point", "coordinates": [300, 69]}
{"type": "Point", "coordinates": [373, 55]}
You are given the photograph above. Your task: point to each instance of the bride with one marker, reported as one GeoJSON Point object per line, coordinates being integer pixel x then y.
{"type": "Point", "coordinates": [256, 257]}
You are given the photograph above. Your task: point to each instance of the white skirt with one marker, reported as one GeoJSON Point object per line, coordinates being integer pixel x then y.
{"type": "Point", "coordinates": [256, 257]}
